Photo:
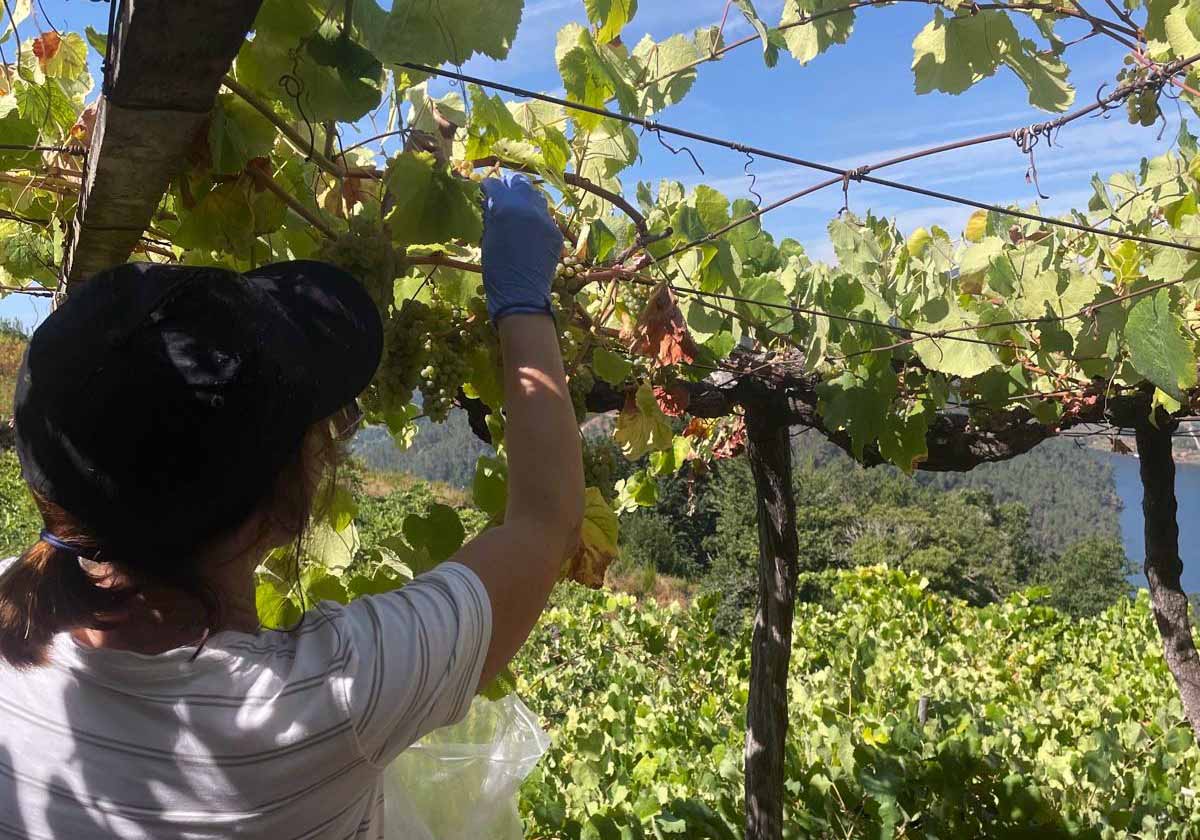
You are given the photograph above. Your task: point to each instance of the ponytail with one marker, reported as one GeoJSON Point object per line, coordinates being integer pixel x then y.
{"type": "Point", "coordinates": [48, 591]}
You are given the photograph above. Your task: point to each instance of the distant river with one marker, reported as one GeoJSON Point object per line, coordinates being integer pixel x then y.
{"type": "Point", "coordinates": [1187, 491]}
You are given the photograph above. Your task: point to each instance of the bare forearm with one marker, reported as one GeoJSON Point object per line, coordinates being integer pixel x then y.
{"type": "Point", "coordinates": [545, 465]}
{"type": "Point", "coordinates": [520, 561]}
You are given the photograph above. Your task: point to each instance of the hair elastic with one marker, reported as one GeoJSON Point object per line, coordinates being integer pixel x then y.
{"type": "Point", "coordinates": [63, 545]}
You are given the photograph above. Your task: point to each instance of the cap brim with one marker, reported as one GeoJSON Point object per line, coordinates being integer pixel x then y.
{"type": "Point", "coordinates": [338, 324]}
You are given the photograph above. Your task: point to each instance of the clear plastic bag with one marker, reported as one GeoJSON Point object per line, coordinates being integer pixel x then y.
{"type": "Point", "coordinates": [460, 783]}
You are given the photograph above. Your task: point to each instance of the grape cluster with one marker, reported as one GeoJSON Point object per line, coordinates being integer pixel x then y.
{"type": "Point", "coordinates": [600, 465]}
{"type": "Point", "coordinates": [446, 368]}
{"type": "Point", "coordinates": [404, 336]}
{"type": "Point", "coordinates": [366, 251]}
{"type": "Point", "coordinates": [569, 268]}
{"type": "Point", "coordinates": [582, 381]}
{"type": "Point", "coordinates": [426, 348]}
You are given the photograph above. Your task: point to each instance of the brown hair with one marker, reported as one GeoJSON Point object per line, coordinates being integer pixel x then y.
{"type": "Point", "coordinates": [49, 590]}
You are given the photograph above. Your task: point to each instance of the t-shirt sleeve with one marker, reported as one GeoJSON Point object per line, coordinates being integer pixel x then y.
{"type": "Point", "coordinates": [415, 658]}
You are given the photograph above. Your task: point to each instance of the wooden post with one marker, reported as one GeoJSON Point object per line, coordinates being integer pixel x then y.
{"type": "Point", "coordinates": [770, 453]}
{"type": "Point", "coordinates": [1163, 564]}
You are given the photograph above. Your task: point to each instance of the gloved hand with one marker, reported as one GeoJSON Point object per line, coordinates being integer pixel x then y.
{"type": "Point", "coordinates": [521, 248]}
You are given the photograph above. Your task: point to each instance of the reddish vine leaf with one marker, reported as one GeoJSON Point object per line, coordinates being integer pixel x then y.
{"type": "Point", "coordinates": [673, 400]}
{"type": "Point", "coordinates": [661, 332]}
{"type": "Point", "coordinates": [353, 192]}
{"type": "Point", "coordinates": [46, 46]}
{"type": "Point", "coordinates": [731, 440]}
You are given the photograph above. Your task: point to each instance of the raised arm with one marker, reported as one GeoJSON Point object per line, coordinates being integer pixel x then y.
{"type": "Point", "coordinates": [520, 560]}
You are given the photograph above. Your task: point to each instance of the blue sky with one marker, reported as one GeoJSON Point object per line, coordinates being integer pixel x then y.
{"type": "Point", "coordinates": [852, 105]}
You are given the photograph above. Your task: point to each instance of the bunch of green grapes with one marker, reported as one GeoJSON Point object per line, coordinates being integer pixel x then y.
{"type": "Point", "coordinates": [446, 368]}
{"type": "Point", "coordinates": [580, 385]}
{"type": "Point", "coordinates": [567, 271]}
{"type": "Point", "coordinates": [366, 251]}
{"type": "Point", "coordinates": [600, 465]}
{"type": "Point", "coordinates": [404, 336]}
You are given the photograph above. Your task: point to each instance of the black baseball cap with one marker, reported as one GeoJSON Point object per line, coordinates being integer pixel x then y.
{"type": "Point", "coordinates": [159, 403]}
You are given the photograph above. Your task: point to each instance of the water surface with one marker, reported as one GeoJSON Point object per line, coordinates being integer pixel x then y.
{"type": "Point", "coordinates": [1187, 491]}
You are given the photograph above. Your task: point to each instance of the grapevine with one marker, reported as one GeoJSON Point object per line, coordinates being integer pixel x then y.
{"type": "Point", "coordinates": [907, 347]}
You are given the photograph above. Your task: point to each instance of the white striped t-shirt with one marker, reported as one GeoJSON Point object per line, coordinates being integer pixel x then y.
{"type": "Point", "coordinates": [278, 735]}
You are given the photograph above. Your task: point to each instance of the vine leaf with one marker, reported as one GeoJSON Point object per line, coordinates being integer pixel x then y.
{"type": "Point", "coordinates": [20, 10]}
{"type": "Point", "coordinates": [641, 425]}
{"type": "Point", "coordinates": [903, 439]}
{"type": "Point", "coordinates": [661, 332]}
{"type": "Point", "coordinates": [730, 440]}
{"type": "Point", "coordinates": [951, 54]}
{"type": "Point", "coordinates": [1045, 76]}
{"type": "Point", "coordinates": [667, 67]}
{"type": "Point", "coordinates": [610, 16]}
{"type": "Point", "coordinates": [947, 355]}
{"type": "Point", "coordinates": [770, 40]}
{"type": "Point", "coordinates": [338, 78]}
{"type": "Point", "coordinates": [592, 74]}
{"type": "Point", "coordinates": [611, 367]}
{"type": "Point", "coordinates": [1182, 27]}
{"type": "Point", "coordinates": [859, 402]}
{"type": "Point", "coordinates": [1157, 348]}
{"type": "Point", "coordinates": [17, 131]}
{"type": "Point", "coordinates": [228, 218]}
{"type": "Point", "coordinates": [489, 488]}
{"type": "Point", "coordinates": [85, 125]}
{"type": "Point", "coordinates": [61, 56]}
{"type": "Point", "coordinates": [432, 205]}
{"type": "Point", "coordinates": [440, 532]}
{"type": "Point", "coordinates": [806, 41]}
{"type": "Point", "coordinates": [491, 121]}
{"type": "Point", "coordinates": [976, 228]}
{"type": "Point", "coordinates": [236, 135]}
{"type": "Point", "coordinates": [449, 30]}
{"type": "Point", "coordinates": [597, 542]}
{"type": "Point", "coordinates": [673, 400]}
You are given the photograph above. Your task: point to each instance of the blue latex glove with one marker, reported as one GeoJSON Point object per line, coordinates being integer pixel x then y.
{"type": "Point", "coordinates": [521, 248]}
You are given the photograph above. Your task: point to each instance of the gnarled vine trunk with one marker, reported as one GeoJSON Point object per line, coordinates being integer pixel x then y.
{"type": "Point", "coordinates": [1164, 566]}
{"type": "Point", "coordinates": [770, 456]}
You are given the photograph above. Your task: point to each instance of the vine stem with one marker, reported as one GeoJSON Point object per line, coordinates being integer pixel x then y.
{"type": "Point", "coordinates": [1141, 59]}
{"type": "Point", "coordinates": [41, 182]}
{"type": "Point", "coordinates": [442, 261]}
{"type": "Point", "coordinates": [62, 150]}
{"type": "Point", "coordinates": [294, 137]}
{"type": "Point", "coordinates": [25, 290]}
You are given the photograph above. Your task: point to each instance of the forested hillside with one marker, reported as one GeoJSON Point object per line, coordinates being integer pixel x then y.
{"type": "Point", "coordinates": [1068, 489]}
{"type": "Point", "coordinates": [441, 451]}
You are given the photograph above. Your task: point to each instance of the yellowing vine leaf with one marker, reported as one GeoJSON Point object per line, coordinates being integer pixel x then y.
{"type": "Point", "coordinates": [641, 425]}
{"type": "Point", "coordinates": [597, 542]}
{"type": "Point", "coordinates": [976, 226]}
